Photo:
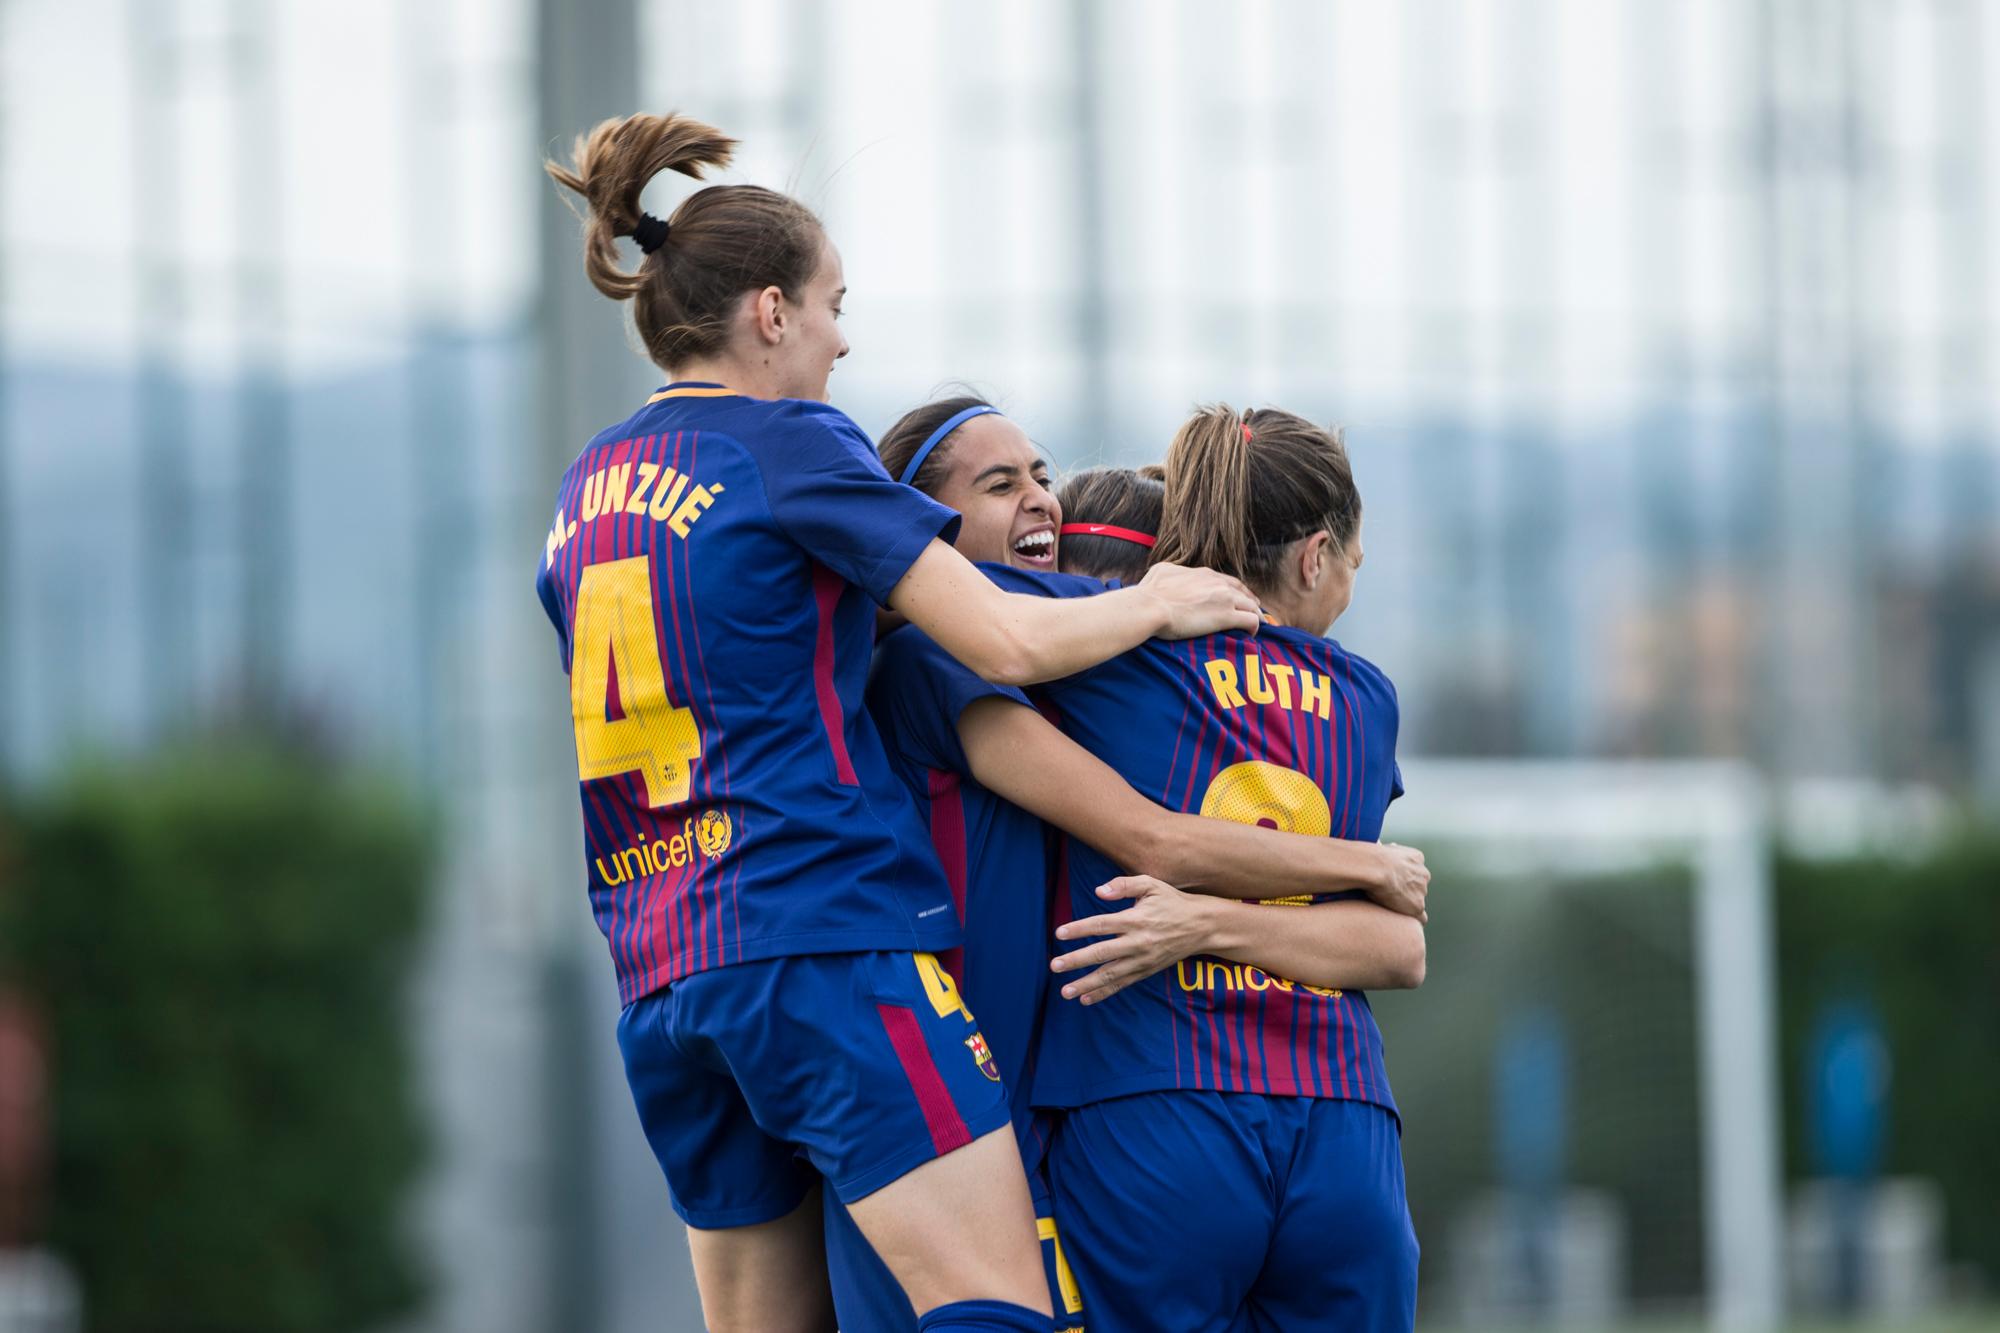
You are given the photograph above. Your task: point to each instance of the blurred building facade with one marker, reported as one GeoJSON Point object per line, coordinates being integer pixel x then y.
{"type": "Point", "coordinates": [1663, 338]}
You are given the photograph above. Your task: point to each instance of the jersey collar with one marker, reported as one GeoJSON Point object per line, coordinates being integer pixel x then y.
{"type": "Point", "coordinates": [692, 389]}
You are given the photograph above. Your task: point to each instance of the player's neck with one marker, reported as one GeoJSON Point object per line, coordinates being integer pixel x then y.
{"type": "Point", "coordinates": [1288, 609]}
{"type": "Point", "coordinates": [750, 378]}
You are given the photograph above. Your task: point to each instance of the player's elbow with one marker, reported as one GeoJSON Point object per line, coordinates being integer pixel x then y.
{"type": "Point", "coordinates": [1399, 959]}
{"type": "Point", "coordinates": [1408, 967]}
{"type": "Point", "coordinates": [1012, 658]}
{"type": "Point", "coordinates": [1016, 670]}
{"type": "Point", "coordinates": [1001, 655]}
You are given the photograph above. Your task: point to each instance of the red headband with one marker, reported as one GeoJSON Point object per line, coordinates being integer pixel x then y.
{"type": "Point", "coordinates": [1106, 530]}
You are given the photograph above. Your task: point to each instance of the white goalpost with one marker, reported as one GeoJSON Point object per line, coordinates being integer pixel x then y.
{"type": "Point", "coordinates": [1534, 818]}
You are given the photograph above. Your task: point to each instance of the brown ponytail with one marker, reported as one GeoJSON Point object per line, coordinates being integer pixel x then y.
{"type": "Point", "coordinates": [722, 241]}
{"type": "Point", "coordinates": [1118, 497]}
{"type": "Point", "coordinates": [1241, 487]}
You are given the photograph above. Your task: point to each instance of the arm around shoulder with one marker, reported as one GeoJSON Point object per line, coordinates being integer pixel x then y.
{"type": "Point", "coordinates": [1018, 639]}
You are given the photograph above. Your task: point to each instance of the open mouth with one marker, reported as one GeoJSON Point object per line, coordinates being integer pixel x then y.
{"type": "Point", "coordinates": [1037, 548]}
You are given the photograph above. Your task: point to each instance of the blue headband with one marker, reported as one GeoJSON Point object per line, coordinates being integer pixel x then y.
{"type": "Point", "coordinates": [951, 424]}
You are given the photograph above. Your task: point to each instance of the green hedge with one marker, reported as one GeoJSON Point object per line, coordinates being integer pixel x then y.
{"type": "Point", "coordinates": [1921, 939]}
{"type": "Point", "coordinates": [220, 944]}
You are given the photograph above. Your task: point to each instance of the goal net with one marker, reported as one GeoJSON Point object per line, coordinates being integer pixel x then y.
{"type": "Point", "coordinates": [1588, 1076]}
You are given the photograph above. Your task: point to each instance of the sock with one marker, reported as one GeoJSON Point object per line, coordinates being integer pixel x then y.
{"type": "Point", "coordinates": [983, 1317]}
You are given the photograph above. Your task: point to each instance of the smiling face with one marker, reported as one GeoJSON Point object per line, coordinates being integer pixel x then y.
{"type": "Point", "coordinates": [812, 340]}
{"type": "Point", "coordinates": [1000, 486]}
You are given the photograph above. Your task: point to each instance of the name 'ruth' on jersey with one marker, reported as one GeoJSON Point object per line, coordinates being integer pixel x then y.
{"type": "Point", "coordinates": [1249, 679]}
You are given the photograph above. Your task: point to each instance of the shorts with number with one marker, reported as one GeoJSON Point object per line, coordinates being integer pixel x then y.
{"type": "Point", "coordinates": [1220, 1212]}
{"type": "Point", "coordinates": [867, 1298]}
{"type": "Point", "coordinates": [756, 1079]}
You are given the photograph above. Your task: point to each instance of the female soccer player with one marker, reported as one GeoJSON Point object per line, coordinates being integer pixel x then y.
{"type": "Point", "coordinates": [1230, 1155]}
{"type": "Point", "coordinates": [1112, 520]}
{"type": "Point", "coordinates": [759, 873]}
{"type": "Point", "coordinates": [988, 770]}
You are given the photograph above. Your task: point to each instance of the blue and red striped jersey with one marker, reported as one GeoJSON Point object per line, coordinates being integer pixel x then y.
{"type": "Point", "coordinates": [995, 855]}
{"type": "Point", "coordinates": [1280, 728]}
{"type": "Point", "coordinates": [711, 574]}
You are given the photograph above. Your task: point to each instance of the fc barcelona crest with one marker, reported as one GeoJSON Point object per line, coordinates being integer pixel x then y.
{"type": "Point", "coordinates": [982, 1054]}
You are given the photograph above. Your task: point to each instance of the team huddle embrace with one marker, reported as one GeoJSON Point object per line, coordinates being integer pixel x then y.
{"type": "Point", "coordinates": [991, 871]}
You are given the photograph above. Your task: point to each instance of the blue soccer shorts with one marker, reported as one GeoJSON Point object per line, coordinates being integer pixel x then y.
{"type": "Point", "coordinates": [755, 1080]}
{"type": "Point", "coordinates": [868, 1299]}
{"type": "Point", "coordinates": [1218, 1212]}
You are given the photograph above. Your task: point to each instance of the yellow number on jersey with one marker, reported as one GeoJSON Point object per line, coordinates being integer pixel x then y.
{"type": "Point", "coordinates": [614, 622]}
{"type": "Point", "coordinates": [1255, 792]}
{"type": "Point", "coordinates": [940, 987]}
{"type": "Point", "coordinates": [1065, 1278]}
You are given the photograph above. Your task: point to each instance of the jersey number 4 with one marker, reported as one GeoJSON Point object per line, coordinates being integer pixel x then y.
{"type": "Point", "coordinates": [616, 639]}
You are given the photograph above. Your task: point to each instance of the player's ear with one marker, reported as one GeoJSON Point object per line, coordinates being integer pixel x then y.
{"type": "Point", "coordinates": [769, 309]}
{"type": "Point", "coordinates": [1311, 567]}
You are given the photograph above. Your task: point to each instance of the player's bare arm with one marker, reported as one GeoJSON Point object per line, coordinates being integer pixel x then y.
{"type": "Point", "coordinates": [1345, 945]}
{"type": "Point", "coordinates": [1018, 754]}
{"type": "Point", "coordinates": [1013, 639]}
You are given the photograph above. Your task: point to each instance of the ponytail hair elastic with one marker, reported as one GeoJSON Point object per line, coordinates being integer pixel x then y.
{"type": "Point", "coordinates": [951, 423]}
{"type": "Point", "coordinates": [1106, 530]}
{"type": "Point", "coordinates": [650, 232]}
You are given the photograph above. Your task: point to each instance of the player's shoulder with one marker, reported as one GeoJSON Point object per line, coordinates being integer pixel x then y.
{"type": "Point", "coordinates": [907, 648]}
{"type": "Point", "coordinates": [791, 421]}
{"type": "Point", "coordinates": [914, 677]}
{"type": "Point", "coordinates": [1361, 669]}
{"type": "Point", "coordinates": [1041, 583]}
{"type": "Point", "coordinates": [1333, 655]}
{"type": "Point", "coordinates": [753, 421]}
{"type": "Point", "coordinates": [812, 415]}
{"type": "Point", "coordinates": [592, 453]}
{"type": "Point", "coordinates": [798, 435]}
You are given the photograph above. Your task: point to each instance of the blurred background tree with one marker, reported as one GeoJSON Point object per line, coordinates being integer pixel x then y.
{"type": "Point", "coordinates": [217, 941]}
{"type": "Point", "coordinates": [1919, 940]}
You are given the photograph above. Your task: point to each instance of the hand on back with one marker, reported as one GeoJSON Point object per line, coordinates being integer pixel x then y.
{"type": "Point", "coordinates": [1200, 601]}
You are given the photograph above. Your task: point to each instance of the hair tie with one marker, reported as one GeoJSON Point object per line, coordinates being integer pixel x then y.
{"type": "Point", "coordinates": [650, 232]}
{"type": "Point", "coordinates": [1106, 530]}
{"type": "Point", "coordinates": [951, 424]}
{"type": "Point", "coordinates": [1246, 432]}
